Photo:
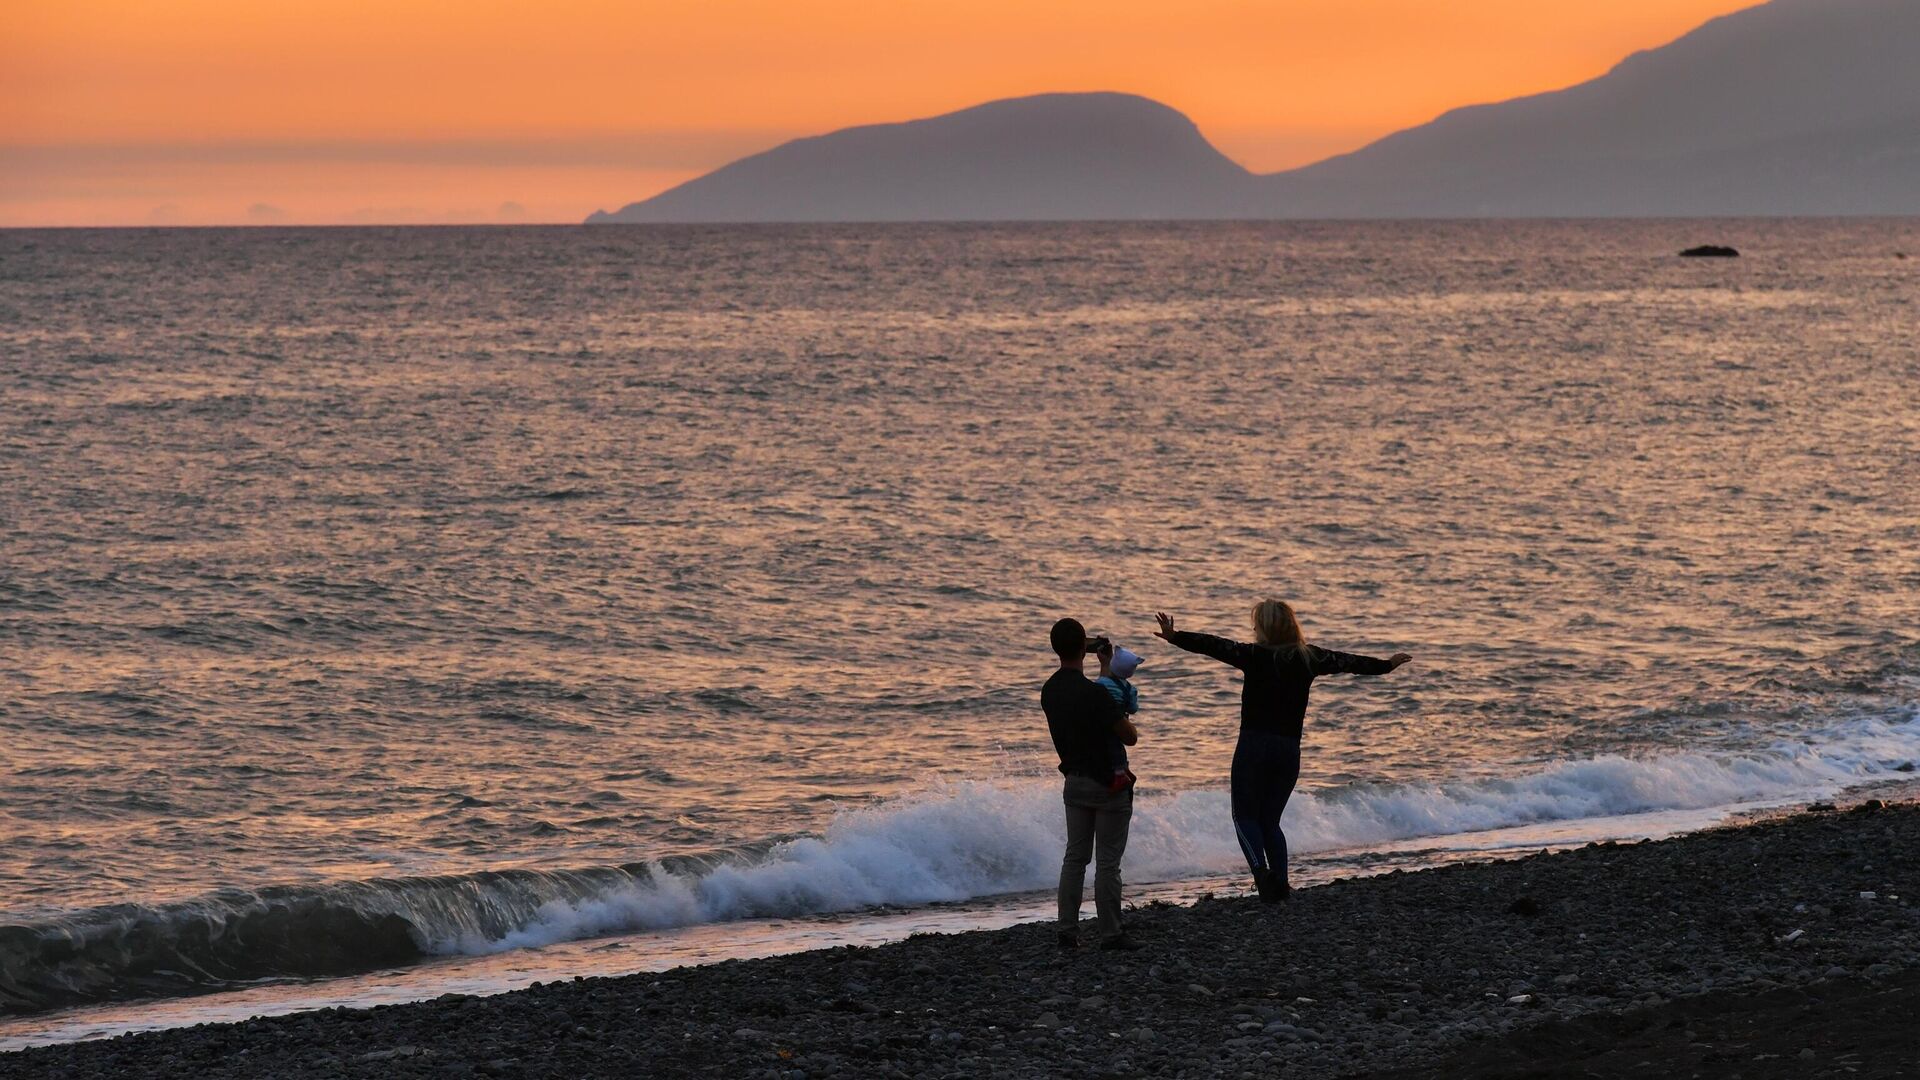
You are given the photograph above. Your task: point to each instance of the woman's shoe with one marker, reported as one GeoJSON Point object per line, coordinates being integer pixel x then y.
{"type": "Point", "coordinates": [1274, 889]}
{"type": "Point", "coordinates": [1263, 882]}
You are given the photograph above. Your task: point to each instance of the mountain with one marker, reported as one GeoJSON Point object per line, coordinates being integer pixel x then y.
{"type": "Point", "coordinates": [1791, 107]}
{"type": "Point", "coordinates": [1050, 157]}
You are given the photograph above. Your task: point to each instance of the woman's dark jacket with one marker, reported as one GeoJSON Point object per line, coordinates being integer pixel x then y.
{"type": "Point", "coordinates": [1275, 696]}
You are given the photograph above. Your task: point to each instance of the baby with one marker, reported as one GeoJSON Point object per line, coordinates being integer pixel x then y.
{"type": "Point", "coordinates": [1114, 682]}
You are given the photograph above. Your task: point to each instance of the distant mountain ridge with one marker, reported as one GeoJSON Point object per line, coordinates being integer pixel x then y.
{"type": "Point", "coordinates": [1794, 107]}
{"type": "Point", "coordinates": [1052, 156]}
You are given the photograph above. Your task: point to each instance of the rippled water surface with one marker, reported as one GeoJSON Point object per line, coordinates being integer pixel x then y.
{"type": "Point", "coordinates": [333, 556]}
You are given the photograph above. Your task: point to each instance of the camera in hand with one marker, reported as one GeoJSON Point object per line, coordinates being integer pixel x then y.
{"type": "Point", "coordinates": [1094, 645]}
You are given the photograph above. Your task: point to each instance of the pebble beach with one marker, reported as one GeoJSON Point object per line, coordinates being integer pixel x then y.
{"type": "Point", "coordinates": [1520, 967]}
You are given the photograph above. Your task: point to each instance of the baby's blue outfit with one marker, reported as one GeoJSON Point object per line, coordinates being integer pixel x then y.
{"type": "Point", "coordinates": [1125, 696]}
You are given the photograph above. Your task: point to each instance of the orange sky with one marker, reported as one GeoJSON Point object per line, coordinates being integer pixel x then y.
{"type": "Point", "coordinates": [324, 111]}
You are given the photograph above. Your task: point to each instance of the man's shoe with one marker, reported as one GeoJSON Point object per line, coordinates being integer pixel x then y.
{"type": "Point", "coordinates": [1120, 943]}
{"type": "Point", "coordinates": [1263, 883]}
{"type": "Point", "coordinates": [1068, 940]}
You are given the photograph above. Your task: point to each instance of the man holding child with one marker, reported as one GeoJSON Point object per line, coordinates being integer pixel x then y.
{"type": "Point", "coordinates": [1091, 732]}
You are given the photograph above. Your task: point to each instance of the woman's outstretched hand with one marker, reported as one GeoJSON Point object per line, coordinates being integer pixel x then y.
{"type": "Point", "coordinates": [1399, 658]}
{"type": "Point", "coordinates": [1165, 632]}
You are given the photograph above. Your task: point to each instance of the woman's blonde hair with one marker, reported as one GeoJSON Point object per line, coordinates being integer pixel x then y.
{"type": "Point", "coordinates": [1275, 624]}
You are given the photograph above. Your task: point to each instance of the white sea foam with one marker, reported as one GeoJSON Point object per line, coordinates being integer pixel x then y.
{"type": "Point", "coordinates": [964, 840]}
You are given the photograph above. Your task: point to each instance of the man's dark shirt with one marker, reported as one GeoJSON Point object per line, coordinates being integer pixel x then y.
{"type": "Point", "coordinates": [1081, 717]}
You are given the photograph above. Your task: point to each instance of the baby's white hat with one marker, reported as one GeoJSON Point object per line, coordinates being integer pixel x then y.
{"type": "Point", "coordinates": [1123, 663]}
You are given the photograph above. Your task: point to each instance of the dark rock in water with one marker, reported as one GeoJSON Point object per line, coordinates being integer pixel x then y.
{"type": "Point", "coordinates": [1710, 251]}
{"type": "Point", "coordinates": [1526, 906]}
{"type": "Point", "coordinates": [1905, 766]}
{"type": "Point", "coordinates": [1868, 807]}
{"type": "Point", "coordinates": [1820, 807]}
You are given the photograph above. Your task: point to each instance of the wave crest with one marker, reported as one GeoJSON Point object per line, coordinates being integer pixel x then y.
{"type": "Point", "coordinates": [953, 842]}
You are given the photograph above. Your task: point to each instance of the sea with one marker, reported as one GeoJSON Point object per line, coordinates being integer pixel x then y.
{"type": "Point", "coordinates": [387, 613]}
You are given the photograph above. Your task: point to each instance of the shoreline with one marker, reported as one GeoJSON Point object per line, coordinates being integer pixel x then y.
{"type": "Point", "coordinates": [1402, 971]}
{"type": "Point", "coordinates": [339, 953]}
{"type": "Point", "coordinates": [700, 944]}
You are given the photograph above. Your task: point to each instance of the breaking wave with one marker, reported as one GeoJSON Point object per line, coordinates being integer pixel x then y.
{"type": "Point", "coordinates": [954, 842]}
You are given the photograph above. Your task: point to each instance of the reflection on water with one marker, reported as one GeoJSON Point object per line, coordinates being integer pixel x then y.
{"type": "Point", "coordinates": [335, 555]}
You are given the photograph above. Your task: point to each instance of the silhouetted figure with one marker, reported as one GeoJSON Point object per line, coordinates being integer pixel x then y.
{"type": "Point", "coordinates": [1089, 733]}
{"type": "Point", "coordinates": [1279, 666]}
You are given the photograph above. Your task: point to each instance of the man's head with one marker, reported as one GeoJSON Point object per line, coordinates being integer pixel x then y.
{"type": "Point", "coordinates": [1069, 639]}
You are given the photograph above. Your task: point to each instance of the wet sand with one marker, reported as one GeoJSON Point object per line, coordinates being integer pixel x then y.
{"type": "Point", "coordinates": [1790, 947]}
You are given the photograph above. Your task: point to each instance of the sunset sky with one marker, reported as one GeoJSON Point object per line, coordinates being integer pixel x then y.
{"type": "Point", "coordinates": [331, 111]}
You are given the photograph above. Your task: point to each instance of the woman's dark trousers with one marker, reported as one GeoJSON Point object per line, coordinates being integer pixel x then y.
{"type": "Point", "coordinates": [1265, 768]}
